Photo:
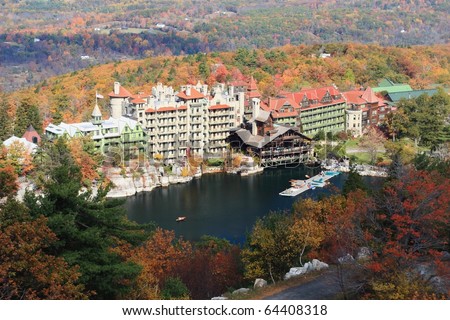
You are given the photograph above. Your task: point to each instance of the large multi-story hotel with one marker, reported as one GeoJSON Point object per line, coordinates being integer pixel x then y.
{"type": "Point", "coordinates": [312, 110]}
{"type": "Point", "coordinates": [193, 120]}
{"type": "Point", "coordinates": [171, 124]}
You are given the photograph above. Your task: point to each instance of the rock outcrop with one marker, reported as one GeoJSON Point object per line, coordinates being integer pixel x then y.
{"type": "Point", "coordinates": [314, 265]}
{"type": "Point", "coordinates": [260, 283]}
{"type": "Point", "coordinates": [241, 291]}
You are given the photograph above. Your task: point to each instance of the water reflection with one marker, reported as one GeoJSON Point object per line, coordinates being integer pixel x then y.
{"type": "Point", "coordinates": [221, 205]}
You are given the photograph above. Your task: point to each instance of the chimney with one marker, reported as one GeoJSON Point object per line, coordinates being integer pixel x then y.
{"type": "Point", "coordinates": [254, 128]}
{"type": "Point", "coordinates": [231, 91]}
{"type": "Point", "coordinates": [188, 91]}
{"type": "Point", "coordinates": [255, 107]}
{"type": "Point", "coordinates": [116, 88]}
{"type": "Point", "coordinates": [255, 112]}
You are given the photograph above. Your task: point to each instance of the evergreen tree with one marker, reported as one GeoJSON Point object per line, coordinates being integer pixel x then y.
{"type": "Point", "coordinates": [27, 113]}
{"type": "Point", "coordinates": [5, 127]}
{"type": "Point", "coordinates": [353, 182]}
{"type": "Point", "coordinates": [397, 167]}
{"type": "Point", "coordinates": [87, 227]}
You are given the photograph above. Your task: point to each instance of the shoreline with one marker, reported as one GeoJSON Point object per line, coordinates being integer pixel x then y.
{"type": "Point", "coordinates": [127, 186]}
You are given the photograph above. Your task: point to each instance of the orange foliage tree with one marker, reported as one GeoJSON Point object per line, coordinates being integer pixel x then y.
{"type": "Point", "coordinates": [158, 258]}
{"type": "Point", "coordinates": [86, 157]}
{"type": "Point", "coordinates": [27, 271]}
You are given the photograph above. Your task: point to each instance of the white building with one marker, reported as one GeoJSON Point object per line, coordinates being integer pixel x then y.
{"type": "Point", "coordinates": [117, 131]}
{"type": "Point", "coordinates": [193, 119]}
{"type": "Point", "coordinates": [29, 147]}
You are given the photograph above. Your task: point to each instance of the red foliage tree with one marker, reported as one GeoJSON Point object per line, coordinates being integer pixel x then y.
{"type": "Point", "coordinates": [26, 270]}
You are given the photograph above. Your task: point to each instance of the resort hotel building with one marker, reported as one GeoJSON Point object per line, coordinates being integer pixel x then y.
{"type": "Point", "coordinates": [169, 125]}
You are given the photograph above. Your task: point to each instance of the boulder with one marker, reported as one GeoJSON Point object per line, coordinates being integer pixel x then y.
{"type": "Point", "coordinates": [445, 256]}
{"type": "Point", "coordinates": [307, 267]}
{"type": "Point", "coordinates": [363, 254]}
{"type": "Point", "coordinates": [219, 298]}
{"type": "Point", "coordinates": [348, 258]}
{"type": "Point", "coordinates": [260, 283]}
{"type": "Point", "coordinates": [295, 272]}
{"type": "Point", "coordinates": [241, 291]}
{"type": "Point", "coordinates": [318, 265]}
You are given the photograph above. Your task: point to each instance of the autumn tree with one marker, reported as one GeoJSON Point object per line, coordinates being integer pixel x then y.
{"type": "Point", "coordinates": [266, 253]}
{"type": "Point", "coordinates": [411, 226]}
{"type": "Point", "coordinates": [396, 124]}
{"type": "Point", "coordinates": [86, 157]}
{"type": "Point", "coordinates": [213, 267]}
{"type": "Point", "coordinates": [19, 157]}
{"type": "Point", "coordinates": [372, 141]}
{"type": "Point", "coordinates": [8, 181]}
{"type": "Point", "coordinates": [28, 270]}
{"type": "Point", "coordinates": [307, 231]}
{"type": "Point", "coordinates": [87, 227]}
{"type": "Point", "coordinates": [158, 258]}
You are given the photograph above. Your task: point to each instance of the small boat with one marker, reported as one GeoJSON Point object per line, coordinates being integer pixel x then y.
{"type": "Point", "coordinates": [180, 219]}
{"type": "Point", "coordinates": [307, 176]}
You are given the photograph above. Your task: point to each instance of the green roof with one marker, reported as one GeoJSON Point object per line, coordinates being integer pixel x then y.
{"type": "Point", "coordinates": [394, 88]}
{"type": "Point", "coordinates": [390, 87]}
{"type": "Point", "coordinates": [396, 96]}
{"type": "Point", "coordinates": [385, 83]}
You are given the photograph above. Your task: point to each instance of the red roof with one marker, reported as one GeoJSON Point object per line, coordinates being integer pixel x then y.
{"type": "Point", "coordinates": [277, 104]}
{"type": "Point", "coordinates": [164, 109]}
{"type": "Point", "coordinates": [123, 93]}
{"type": "Point", "coordinates": [252, 85]}
{"type": "Point", "coordinates": [30, 134]}
{"type": "Point", "coordinates": [239, 83]}
{"type": "Point", "coordinates": [219, 106]}
{"type": "Point", "coordinates": [138, 100]}
{"type": "Point", "coordinates": [354, 97]}
{"type": "Point", "coordinates": [370, 96]}
{"type": "Point", "coordinates": [264, 106]}
{"type": "Point", "coordinates": [317, 94]}
{"type": "Point", "coordinates": [359, 97]}
{"type": "Point", "coordinates": [194, 95]}
{"type": "Point", "coordinates": [253, 94]}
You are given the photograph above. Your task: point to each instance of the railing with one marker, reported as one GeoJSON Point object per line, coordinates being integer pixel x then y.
{"type": "Point", "coordinates": [308, 119]}
{"type": "Point", "coordinates": [285, 151]}
{"type": "Point", "coordinates": [323, 124]}
{"type": "Point", "coordinates": [219, 129]}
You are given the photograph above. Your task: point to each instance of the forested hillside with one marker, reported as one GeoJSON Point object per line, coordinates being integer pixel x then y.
{"type": "Point", "coordinates": [42, 38]}
{"type": "Point", "coordinates": [71, 97]}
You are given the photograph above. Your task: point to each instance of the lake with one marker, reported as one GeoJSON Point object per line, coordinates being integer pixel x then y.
{"type": "Point", "coordinates": [224, 205]}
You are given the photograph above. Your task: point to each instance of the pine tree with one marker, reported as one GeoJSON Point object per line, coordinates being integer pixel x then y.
{"type": "Point", "coordinates": [5, 122]}
{"type": "Point", "coordinates": [27, 113]}
{"type": "Point", "coordinates": [353, 182]}
{"type": "Point", "coordinates": [88, 228]}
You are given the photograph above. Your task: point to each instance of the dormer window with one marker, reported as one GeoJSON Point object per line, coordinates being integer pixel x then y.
{"type": "Point", "coordinates": [305, 102]}
{"type": "Point", "coordinates": [326, 97]}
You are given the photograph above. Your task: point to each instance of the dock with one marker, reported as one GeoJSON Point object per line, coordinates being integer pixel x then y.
{"type": "Point", "coordinates": [300, 186]}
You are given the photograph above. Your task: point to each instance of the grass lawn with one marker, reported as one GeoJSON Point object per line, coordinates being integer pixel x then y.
{"type": "Point", "coordinates": [352, 143]}
{"type": "Point", "coordinates": [364, 157]}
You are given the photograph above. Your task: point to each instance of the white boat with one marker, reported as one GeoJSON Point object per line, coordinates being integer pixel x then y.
{"type": "Point", "coordinates": [299, 186]}
{"type": "Point", "coordinates": [180, 219]}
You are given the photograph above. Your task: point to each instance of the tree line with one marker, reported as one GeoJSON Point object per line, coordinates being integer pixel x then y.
{"type": "Point", "coordinates": [65, 242]}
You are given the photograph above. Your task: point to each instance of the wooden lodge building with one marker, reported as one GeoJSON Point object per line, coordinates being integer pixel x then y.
{"type": "Point", "coordinates": [273, 144]}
